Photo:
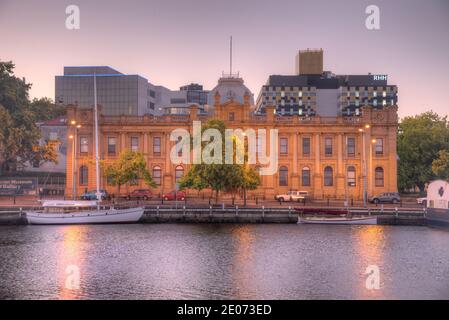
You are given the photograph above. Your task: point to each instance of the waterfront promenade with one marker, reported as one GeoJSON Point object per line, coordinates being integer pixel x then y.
{"type": "Point", "coordinates": [225, 212]}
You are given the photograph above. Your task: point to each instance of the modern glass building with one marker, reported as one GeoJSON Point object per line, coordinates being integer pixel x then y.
{"type": "Point", "coordinates": [117, 93]}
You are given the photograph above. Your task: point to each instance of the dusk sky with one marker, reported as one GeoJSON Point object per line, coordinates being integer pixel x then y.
{"type": "Point", "coordinates": [173, 43]}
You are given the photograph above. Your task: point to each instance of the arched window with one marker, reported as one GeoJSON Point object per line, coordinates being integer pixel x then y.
{"type": "Point", "coordinates": [157, 174]}
{"type": "Point", "coordinates": [179, 172]}
{"type": "Point", "coordinates": [84, 175]}
{"type": "Point", "coordinates": [328, 177]}
{"type": "Point", "coordinates": [305, 177]}
{"type": "Point", "coordinates": [351, 176]}
{"type": "Point", "coordinates": [379, 177]}
{"type": "Point", "coordinates": [283, 176]}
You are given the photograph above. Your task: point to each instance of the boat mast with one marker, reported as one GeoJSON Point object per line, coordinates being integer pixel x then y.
{"type": "Point", "coordinates": [97, 160]}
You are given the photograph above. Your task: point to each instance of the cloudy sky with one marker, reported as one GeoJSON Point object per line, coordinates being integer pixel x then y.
{"type": "Point", "coordinates": [177, 42]}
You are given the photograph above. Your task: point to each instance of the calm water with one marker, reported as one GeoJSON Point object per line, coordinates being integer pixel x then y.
{"type": "Point", "coordinates": [223, 261]}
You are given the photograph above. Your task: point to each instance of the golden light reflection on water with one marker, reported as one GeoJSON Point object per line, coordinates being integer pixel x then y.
{"type": "Point", "coordinates": [243, 260]}
{"type": "Point", "coordinates": [70, 260]}
{"type": "Point", "coordinates": [368, 246]}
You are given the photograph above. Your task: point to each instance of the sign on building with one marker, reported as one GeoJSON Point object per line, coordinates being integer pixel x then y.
{"type": "Point", "coordinates": [18, 186]}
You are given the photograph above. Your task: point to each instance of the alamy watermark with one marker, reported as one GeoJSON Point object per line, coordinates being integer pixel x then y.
{"type": "Point", "coordinates": [372, 282]}
{"type": "Point", "coordinates": [190, 149]}
{"type": "Point", "coordinates": [72, 21]}
{"type": "Point", "coordinates": [372, 21]}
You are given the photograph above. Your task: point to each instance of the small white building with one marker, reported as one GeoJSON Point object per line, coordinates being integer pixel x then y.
{"type": "Point", "coordinates": [438, 195]}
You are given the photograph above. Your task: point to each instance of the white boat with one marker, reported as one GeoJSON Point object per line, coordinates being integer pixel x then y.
{"type": "Point", "coordinates": [81, 212]}
{"type": "Point", "coordinates": [338, 220]}
{"type": "Point", "coordinates": [84, 212]}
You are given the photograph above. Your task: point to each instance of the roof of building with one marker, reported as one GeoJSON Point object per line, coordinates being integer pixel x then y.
{"type": "Point", "coordinates": [230, 87]}
{"type": "Point", "coordinates": [58, 121]}
{"type": "Point", "coordinates": [327, 80]}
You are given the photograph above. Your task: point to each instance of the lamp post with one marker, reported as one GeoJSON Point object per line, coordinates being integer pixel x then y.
{"type": "Point", "coordinates": [74, 139]}
{"type": "Point", "coordinates": [365, 182]}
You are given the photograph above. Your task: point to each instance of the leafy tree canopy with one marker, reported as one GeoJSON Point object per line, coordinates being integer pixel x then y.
{"type": "Point", "coordinates": [220, 177]}
{"type": "Point", "coordinates": [440, 166]}
{"type": "Point", "coordinates": [129, 167]}
{"type": "Point", "coordinates": [420, 140]}
{"type": "Point", "coordinates": [19, 134]}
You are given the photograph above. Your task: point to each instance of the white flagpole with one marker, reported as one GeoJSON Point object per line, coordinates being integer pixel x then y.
{"type": "Point", "coordinates": [97, 159]}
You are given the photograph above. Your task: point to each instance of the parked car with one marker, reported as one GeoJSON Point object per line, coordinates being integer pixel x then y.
{"type": "Point", "coordinates": [386, 197]}
{"type": "Point", "coordinates": [292, 195]}
{"type": "Point", "coordinates": [171, 196]}
{"type": "Point", "coordinates": [143, 194]}
{"type": "Point", "coordinates": [91, 195]}
{"type": "Point", "coordinates": [422, 201]}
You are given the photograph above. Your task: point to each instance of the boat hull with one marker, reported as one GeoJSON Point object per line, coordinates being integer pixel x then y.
{"type": "Point", "coordinates": [437, 217]}
{"type": "Point", "coordinates": [353, 221]}
{"type": "Point", "coordinates": [86, 217]}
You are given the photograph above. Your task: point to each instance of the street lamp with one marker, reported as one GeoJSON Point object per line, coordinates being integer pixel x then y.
{"type": "Point", "coordinates": [365, 182]}
{"type": "Point", "coordinates": [74, 142]}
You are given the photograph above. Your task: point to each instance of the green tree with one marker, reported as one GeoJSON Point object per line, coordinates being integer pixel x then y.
{"type": "Point", "coordinates": [420, 139]}
{"type": "Point", "coordinates": [440, 166]}
{"type": "Point", "coordinates": [220, 177]}
{"type": "Point", "coordinates": [19, 135]}
{"type": "Point", "coordinates": [130, 166]}
{"type": "Point", "coordinates": [44, 109]}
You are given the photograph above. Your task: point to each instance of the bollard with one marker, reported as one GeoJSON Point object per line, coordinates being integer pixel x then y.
{"type": "Point", "coordinates": [222, 206]}
{"type": "Point", "coordinates": [184, 211]}
{"type": "Point", "coordinates": [382, 208]}
{"type": "Point", "coordinates": [396, 209]}
{"type": "Point", "coordinates": [210, 210]}
{"type": "Point", "coordinates": [289, 211]}
{"type": "Point", "coordinates": [236, 210]}
{"type": "Point", "coordinates": [263, 211]}
{"type": "Point", "coordinates": [157, 212]}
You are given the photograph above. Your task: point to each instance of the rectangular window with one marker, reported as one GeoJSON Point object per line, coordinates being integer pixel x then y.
{"type": "Point", "coordinates": [351, 147]}
{"type": "Point", "coordinates": [231, 116]}
{"type": "Point", "coordinates": [379, 147]}
{"type": "Point", "coordinates": [84, 145]}
{"type": "Point", "coordinates": [306, 146]}
{"type": "Point", "coordinates": [283, 146]}
{"type": "Point", "coordinates": [134, 144]}
{"type": "Point", "coordinates": [328, 146]}
{"type": "Point", "coordinates": [112, 143]}
{"type": "Point", "coordinates": [157, 146]}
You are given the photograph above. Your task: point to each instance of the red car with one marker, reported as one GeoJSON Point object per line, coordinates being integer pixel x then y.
{"type": "Point", "coordinates": [171, 196]}
{"type": "Point", "coordinates": [144, 194]}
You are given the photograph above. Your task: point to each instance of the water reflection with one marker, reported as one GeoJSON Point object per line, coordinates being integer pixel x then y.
{"type": "Point", "coordinates": [223, 262]}
{"type": "Point", "coordinates": [70, 261]}
{"type": "Point", "coordinates": [368, 244]}
{"type": "Point", "coordinates": [243, 261]}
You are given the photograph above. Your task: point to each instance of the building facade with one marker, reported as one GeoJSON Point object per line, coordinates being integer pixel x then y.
{"type": "Point", "coordinates": [336, 134]}
{"type": "Point", "coordinates": [323, 155]}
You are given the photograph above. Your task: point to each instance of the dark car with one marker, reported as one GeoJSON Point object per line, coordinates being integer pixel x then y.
{"type": "Point", "coordinates": [144, 194]}
{"type": "Point", "coordinates": [386, 197]}
{"type": "Point", "coordinates": [91, 195]}
{"type": "Point", "coordinates": [171, 196]}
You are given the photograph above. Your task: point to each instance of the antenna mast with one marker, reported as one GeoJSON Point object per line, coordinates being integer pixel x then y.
{"type": "Point", "coordinates": [230, 58]}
